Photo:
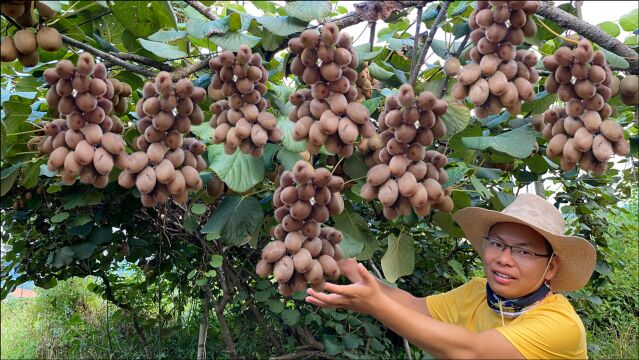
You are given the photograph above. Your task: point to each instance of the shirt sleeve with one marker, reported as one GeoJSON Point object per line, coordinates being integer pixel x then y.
{"type": "Point", "coordinates": [445, 306]}
{"type": "Point", "coordinates": [548, 333]}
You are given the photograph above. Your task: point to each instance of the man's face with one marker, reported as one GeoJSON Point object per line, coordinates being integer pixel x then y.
{"type": "Point", "coordinates": [516, 273]}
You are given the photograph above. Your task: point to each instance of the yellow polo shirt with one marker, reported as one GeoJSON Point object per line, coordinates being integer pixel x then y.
{"type": "Point", "coordinates": [550, 330]}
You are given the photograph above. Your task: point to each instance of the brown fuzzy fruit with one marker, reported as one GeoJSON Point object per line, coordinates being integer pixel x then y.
{"type": "Point", "coordinates": [49, 39]}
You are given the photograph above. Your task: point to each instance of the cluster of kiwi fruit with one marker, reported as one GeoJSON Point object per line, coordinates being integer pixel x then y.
{"type": "Point", "coordinates": [407, 176]}
{"type": "Point", "coordinates": [24, 44]}
{"type": "Point", "coordinates": [241, 120]}
{"type": "Point", "coordinates": [500, 76]}
{"type": "Point", "coordinates": [629, 89]}
{"type": "Point", "coordinates": [166, 165]}
{"type": "Point", "coordinates": [87, 141]}
{"type": "Point", "coordinates": [580, 132]}
{"type": "Point", "coordinates": [83, 93]}
{"type": "Point", "coordinates": [303, 251]}
{"type": "Point", "coordinates": [327, 113]}
{"type": "Point", "coordinates": [365, 84]}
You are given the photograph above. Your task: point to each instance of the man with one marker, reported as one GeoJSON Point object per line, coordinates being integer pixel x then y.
{"type": "Point", "coordinates": [513, 313]}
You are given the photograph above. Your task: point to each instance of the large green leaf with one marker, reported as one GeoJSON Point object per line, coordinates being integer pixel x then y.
{"type": "Point", "coordinates": [291, 316]}
{"type": "Point", "coordinates": [200, 29]}
{"type": "Point", "coordinates": [233, 40]}
{"type": "Point", "coordinates": [379, 73]}
{"type": "Point", "coordinates": [281, 25]}
{"type": "Point", "coordinates": [239, 171]}
{"type": "Point", "coordinates": [399, 259]}
{"type": "Point", "coordinates": [84, 250]}
{"type": "Point", "coordinates": [630, 21]}
{"type": "Point", "coordinates": [101, 235]}
{"type": "Point", "coordinates": [541, 102]}
{"type": "Point", "coordinates": [364, 54]}
{"type": "Point", "coordinates": [288, 158]}
{"type": "Point", "coordinates": [518, 142]}
{"type": "Point", "coordinates": [8, 177]}
{"type": "Point", "coordinates": [166, 51]}
{"type": "Point", "coordinates": [616, 60]}
{"type": "Point", "coordinates": [611, 28]}
{"type": "Point", "coordinates": [235, 219]}
{"type": "Point", "coordinates": [355, 230]}
{"type": "Point", "coordinates": [456, 118]}
{"type": "Point", "coordinates": [286, 127]}
{"type": "Point", "coordinates": [309, 10]}
{"type": "Point", "coordinates": [143, 18]}
{"type": "Point", "coordinates": [30, 174]}
{"type": "Point", "coordinates": [168, 35]}
{"type": "Point", "coordinates": [354, 167]}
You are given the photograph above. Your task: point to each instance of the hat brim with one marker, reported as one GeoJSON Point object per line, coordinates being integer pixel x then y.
{"type": "Point", "coordinates": [577, 257]}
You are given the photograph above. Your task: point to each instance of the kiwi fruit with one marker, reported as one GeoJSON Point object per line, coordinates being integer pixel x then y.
{"type": "Point", "coordinates": [8, 50]}
{"type": "Point", "coordinates": [49, 39]}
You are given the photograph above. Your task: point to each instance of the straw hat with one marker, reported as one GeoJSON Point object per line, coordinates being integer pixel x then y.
{"type": "Point", "coordinates": [577, 257]}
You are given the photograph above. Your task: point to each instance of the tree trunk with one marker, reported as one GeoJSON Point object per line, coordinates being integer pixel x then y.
{"type": "Point", "coordinates": [204, 326]}
{"type": "Point", "coordinates": [226, 331]}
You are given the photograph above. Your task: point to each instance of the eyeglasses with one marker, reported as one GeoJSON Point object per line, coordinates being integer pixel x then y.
{"type": "Point", "coordinates": [493, 247]}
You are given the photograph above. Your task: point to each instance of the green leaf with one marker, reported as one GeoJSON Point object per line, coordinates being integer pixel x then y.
{"type": "Point", "coordinates": [216, 260]}
{"type": "Point", "coordinates": [630, 21]}
{"type": "Point", "coordinates": [235, 22]}
{"type": "Point", "coordinates": [275, 306]}
{"type": "Point", "coordinates": [286, 127]}
{"type": "Point", "coordinates": [517, 143]}
{"type": "Point", "coordinates": [198, 209]}
{"type": "Point", "coordinates": [9, 176]}
{"type": "Point", "coordinates": [373, 104]}
{"type": "Point", "coordinates": [84, 250]}
{"type": "Point", "coordinates": [309, 10]}
{"type": "Point", "coordinates": [378, 73]}
{"type": "Point", "coordinates": [351, 341]}
{"type": "Point", "coordinates": [355, 230]}
{"type": "Point", "coordinates": [233, 40]}
{"type": "Point", "coordinates": [288, 158]}
{"type": "Point", "coordinates": [541, 102]}
{"type": "Point", "coordinates": [399, 259]}
{"type": "Point", "coordinates": [60, 217]}
{"type": "Point", "coordinates": [82, 219]}
{"type": "Point", "coordinates": [239, 171]}
{"type": "Point", "coordinates": [162, 50]}
{"type": "Point", "coordinates": [611, 28]}
{"type": "Point", "coordinates": [63, 256]}
{"type": "Point", "coordinates": [191, 274]}
{"type": "Point", "coordinates": [281, 25]}
{"type": "Point", "coordinates": [615, 60]}
{"type": "Point", "coordinates": [457, 267]}
{"type": "Point", "coordinates": [364, 54]}
{"type": "Point", "coordinates": [101, 235]}
{"type": "Point", "coordinates": [201, 281]}
{"type": "Point", "coordinates": [201, 29]}
{"type": "Point", "coordinates": [290, 316]}
{"type": "Point", "coordinates": [354, 167]}
{"type": "Point", "coordinates": [262, 295]}
{"type": "Point", "coordinates": [168, 35]}
{"type": "Point", "coordinates": [330, 344]}
{"type": "Point", "coordinates": [235, 219]}
{"type": "Point", "coordinates": [143, 18]}
{"type": "Point", "coordinates": [456, 118]}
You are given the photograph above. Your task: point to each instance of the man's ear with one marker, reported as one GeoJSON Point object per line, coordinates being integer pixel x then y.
{"type": "Point", "coordinates": [553, 267]}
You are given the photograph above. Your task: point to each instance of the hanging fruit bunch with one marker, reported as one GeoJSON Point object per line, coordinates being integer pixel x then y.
{"type": "Point", "coordinates": [24, 44]}
{"type": "Point", "coordinates": [87, 141]}
{"type": "Point", "coordinates": [629, 88]}
{"type": "Point", "coordinates": [408, 177]}
{"type": "Point", "coordinates": [166, 165]}
{"type": "Point", "coordinates": [365, 84]}
{"type": "Point", "coordinates": [241, 120]}
{"type": "Point", "coordinates": [328, 113]}
{"type": "Point", "coordinates": [304, 251]}
{"type": "Point", "coordinates": [500, 75]}
{"type": "Point", "coordinates": [581, 133]}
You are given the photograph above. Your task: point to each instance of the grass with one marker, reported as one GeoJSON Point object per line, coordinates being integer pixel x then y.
{"type": "Point", "coordinates": [17, 335]}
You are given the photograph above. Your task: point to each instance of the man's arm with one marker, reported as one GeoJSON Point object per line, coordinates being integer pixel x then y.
{"type": "Point", "coordinates": [438, 338]}
{"type": "Point", "coordinates": [348, 267]}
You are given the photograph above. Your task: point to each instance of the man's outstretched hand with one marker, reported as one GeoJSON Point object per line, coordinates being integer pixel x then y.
{"type": "Point", "coordinates": [364, 295]}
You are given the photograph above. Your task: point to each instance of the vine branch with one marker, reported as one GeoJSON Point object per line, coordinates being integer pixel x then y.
{"type": "Point", "coordinates": [429, 41]}
{"type": "Point", "coordinates": [202, 9]}
{"type": "Point", "coordinates": [443, 86]}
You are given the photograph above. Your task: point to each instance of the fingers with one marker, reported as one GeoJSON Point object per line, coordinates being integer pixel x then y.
{"type": "Point", "coordinates": [328, 299]}
{"type": "Point", "coordinates": [337, 289]}
{"type": "Point", "coordinates": [364, 274]}
{"type": "Point", "coordinates": [314, 301]}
